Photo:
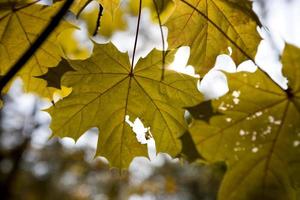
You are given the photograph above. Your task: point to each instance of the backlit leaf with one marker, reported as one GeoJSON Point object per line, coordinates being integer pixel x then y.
{"type": "Point", "coordinates": [210, 27]}
{"type": "Point", "coordinates": [258, 135]}
{"type": "Point", "coordinates": [19, 27]}
{"type": "Point", "coordinates": [105, 91]}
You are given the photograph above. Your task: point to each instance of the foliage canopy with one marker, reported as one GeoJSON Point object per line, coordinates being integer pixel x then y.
{"type": "Point", "coordinates": [254, 128]}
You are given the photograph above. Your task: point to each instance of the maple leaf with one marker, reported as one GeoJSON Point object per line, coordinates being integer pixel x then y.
{"type": "Point", "coordinates": [258, 134]}
{"type": "Point", "coordinates": [20, 25]}
{"type": "Point", "coordinates": [209, 27]}
{"type": "Point", "coordinates": [105, 90]}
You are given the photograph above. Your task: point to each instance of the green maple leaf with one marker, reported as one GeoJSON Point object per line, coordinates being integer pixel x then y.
{"type": "Point", "coordinates": [209, 27]}
{"type": "Point", "coordinates": [20, 25]}
{"type": "Point", "coordinates": [105, 91]}
{"type": "Point", "coordinates": [258, 135]}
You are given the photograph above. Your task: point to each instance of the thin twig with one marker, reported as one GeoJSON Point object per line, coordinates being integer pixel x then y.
{"type": "Point", "coordinates": [136, 37]}
{"type": "Point", "coordinates": [162, 40]}
{"type": "Point", "coordinates": [100, 13]}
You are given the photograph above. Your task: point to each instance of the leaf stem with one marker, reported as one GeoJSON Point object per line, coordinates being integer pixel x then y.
{"type": "Point", "coordinates": [162, 40]}
{"type": "Point", "coordinates": [35, 46]}
{"type": "Point", "coordinates": [136, 38]}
